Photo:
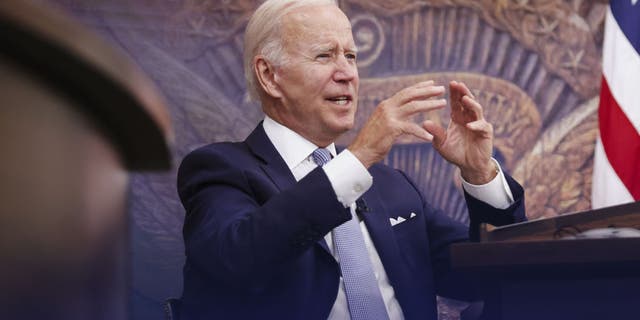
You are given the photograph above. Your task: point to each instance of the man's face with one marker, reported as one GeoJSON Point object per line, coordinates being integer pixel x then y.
{"type": "Point", "coordinates": [318, 79]}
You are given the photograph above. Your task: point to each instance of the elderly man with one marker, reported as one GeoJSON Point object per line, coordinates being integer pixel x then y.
{"type": "Point", "coordinates": [284, 226]}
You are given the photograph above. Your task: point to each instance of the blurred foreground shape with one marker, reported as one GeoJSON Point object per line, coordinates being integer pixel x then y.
{"type": "Point", "coordinates": [76, 116]}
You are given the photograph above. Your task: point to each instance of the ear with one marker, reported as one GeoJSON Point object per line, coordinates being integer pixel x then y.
{"type": "Point", "coordinates": [266, 75]}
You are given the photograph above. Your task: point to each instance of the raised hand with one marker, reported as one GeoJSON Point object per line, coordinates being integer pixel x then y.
{"type": "Point", "coordinates": [468, 140]}
{"type": "Point", "coordinates": [392, 118]}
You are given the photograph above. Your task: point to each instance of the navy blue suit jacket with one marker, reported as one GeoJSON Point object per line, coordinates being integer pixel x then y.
{"type": "Point", "coordinates": [254, 236]}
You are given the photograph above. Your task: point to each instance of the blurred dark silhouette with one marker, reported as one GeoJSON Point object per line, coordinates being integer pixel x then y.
{"type": "Point", "coordinates": [76, 116]}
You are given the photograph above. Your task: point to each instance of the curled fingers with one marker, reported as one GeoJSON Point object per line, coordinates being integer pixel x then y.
{"type": "Point", "coordinates": [481, 126]}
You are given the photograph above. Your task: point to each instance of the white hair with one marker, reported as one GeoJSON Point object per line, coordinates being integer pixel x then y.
{"type": "Point", "coordinates": [263, 36]}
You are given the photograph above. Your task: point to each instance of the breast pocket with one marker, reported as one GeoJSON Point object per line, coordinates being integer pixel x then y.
{"type": "Point", "coordinates": [409, 226]}
{"type": "Point", "coordinates": [411, 237]}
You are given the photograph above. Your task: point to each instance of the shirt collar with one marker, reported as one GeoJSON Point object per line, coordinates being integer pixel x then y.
{"type": "Point", "coordinates": [291, 146]}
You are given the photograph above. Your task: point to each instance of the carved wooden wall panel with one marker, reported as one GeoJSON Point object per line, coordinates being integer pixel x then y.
{"type": "Point", "coordinates": [534, 64]}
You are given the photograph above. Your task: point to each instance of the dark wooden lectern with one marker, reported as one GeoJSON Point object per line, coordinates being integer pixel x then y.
{"type": "Point", "coordinates": [532, 272]}
{"type": "Point", "coordinates": [75, 117]}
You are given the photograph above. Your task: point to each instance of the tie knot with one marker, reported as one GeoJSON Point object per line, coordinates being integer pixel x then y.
{"type": "Point", "coordinates": [321, 156]}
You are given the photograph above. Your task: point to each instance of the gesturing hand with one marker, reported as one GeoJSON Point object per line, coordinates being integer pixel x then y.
{"type": "Point", "coordinates": [392, 118]}
{"type": "Point", "coordinates": [468, 140]}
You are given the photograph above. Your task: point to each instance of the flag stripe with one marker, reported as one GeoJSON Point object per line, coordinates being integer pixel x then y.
{"type": "Point", "coordinates": [620, 140]}
{"type": "Point", "coordinates": [621, 68]}
{"type": "Point", "coordinates": [607, 188]}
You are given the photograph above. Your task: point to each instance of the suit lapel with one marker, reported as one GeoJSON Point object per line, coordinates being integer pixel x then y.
{"type": "Point", "coordinates": [272, 163]}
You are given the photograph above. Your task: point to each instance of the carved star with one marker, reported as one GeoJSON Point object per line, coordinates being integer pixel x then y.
{"type": "Point", "coordinates": [546, 28]}
{"type": "Point", "coordinates": [226, 7]}
{"type": "Point", "coordinates": [523, 5]}
{"type": "Point", "coordinates": [197, 25]}
{"type": "Point", "coordinates": [574, 63]}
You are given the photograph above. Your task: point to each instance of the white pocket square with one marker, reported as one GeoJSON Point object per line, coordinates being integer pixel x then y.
{"type": "Point", "coordinates": [400, 219]}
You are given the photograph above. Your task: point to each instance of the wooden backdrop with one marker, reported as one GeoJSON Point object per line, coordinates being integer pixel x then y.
{"type": "Point", "coordinates": [534, 64]}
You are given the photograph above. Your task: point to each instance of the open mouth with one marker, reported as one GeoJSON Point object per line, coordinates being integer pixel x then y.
{"type": "Point", "coordinates": [340, 100]}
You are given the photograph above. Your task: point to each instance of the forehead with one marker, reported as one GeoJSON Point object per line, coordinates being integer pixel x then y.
{"type": "Point", "coordinates": [318, 24]}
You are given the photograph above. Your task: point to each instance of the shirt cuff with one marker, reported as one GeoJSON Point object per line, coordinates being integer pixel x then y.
{"type": "Point", "coordinates": [348, 177]}
{"type": "Point", "coordinates": [495, 192]}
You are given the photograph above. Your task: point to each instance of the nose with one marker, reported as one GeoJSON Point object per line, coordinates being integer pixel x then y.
{"type": "Point", "coordinates": [346, 70]}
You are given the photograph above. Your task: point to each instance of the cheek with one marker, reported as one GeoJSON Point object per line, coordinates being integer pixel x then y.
{"type": "Point", "coordinates": [318, 77]}
{"type": "Point", "coordinates": [356, 80]}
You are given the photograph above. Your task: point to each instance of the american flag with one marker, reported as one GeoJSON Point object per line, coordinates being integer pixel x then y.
{"type": "Point", "coordinates": [616, 170]}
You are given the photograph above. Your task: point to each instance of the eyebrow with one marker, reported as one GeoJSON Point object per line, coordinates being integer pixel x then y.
{"type": "Point", "coordinates": [324, 47]}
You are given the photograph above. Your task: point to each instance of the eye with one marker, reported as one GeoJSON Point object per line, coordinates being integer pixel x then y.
{"type": "Point", "coordinates": [350, 56]}
{"type": "Point", "coordinates": [323, 56]}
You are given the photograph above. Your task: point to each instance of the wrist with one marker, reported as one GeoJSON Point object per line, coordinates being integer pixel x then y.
{"type": "Point", "coordinates": [481, 176]}
{"type": "Point", "coordinates": [366, 160]}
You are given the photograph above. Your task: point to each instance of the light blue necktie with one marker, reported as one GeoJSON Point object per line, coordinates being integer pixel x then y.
{"type": "Point", "coordinates": [360, 284]}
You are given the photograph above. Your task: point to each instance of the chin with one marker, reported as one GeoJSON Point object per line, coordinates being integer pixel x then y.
{"type": "Point", "coordinates": [344, 128]}
{"type": "Point", "coordinates": [340, 125]}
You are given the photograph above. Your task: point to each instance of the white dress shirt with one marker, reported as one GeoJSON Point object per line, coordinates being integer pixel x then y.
{"type": "Point", "coordinates": [350, 180]}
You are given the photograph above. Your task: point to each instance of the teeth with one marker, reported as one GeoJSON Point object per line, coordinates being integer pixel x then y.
{"type": "Point", "coordinates": [340, 100]}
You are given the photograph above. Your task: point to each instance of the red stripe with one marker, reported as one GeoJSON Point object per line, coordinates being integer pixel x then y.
{"type": "Point", "coordinates": [620, 140]}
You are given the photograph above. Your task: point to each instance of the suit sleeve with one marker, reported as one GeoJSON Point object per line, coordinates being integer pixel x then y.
{"type": "Point", "coordinates": [239, 228]}
{"type": "Point", "coordinates": [481, 212]}
{"type": "Point", "coordinates": [443, 231]}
